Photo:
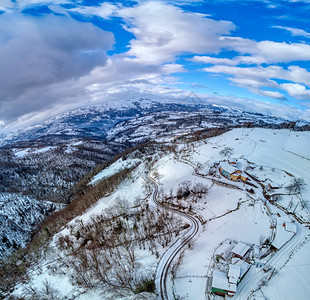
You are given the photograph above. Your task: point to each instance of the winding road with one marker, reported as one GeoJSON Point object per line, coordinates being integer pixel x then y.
{"type": "Point", "coordinates": [163, 285]}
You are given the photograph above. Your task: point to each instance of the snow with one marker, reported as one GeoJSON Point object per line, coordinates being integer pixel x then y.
{"type": "Point", "coordinates": [243, 265]}
{"type": "Point", "coordinates": [231, 214]}
{"type": "Point", "coordinates": [44, 149]}
{"type": "Point", "coordinates": [292, 281]}
{"type": "Point", "coordinates": [227, 167]}
{"type": "Point", "coordinates": [290, 227]}
{"type": "Point", "coordinates": [282, 236]}
{"type": "Point", "coordinates": [71, 147]}
{"type": "Point", "coordinates": [112, 169]}
{"type": "Point", "coordinates": [240, 249]}
{"type": "Point", "coordinates": [21, 153]}
{"type": "Point", "coordinates": [233, 273]}
{"type": "Point", "coordinates": [220, 281]}
{"type": "Point", "coordinates": [224, 250]}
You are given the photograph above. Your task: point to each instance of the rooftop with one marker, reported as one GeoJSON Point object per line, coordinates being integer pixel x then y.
{"type": "Point", "coordinates": [220, 281]}
{"type": "Point", "coordinates": [233, 273]}
{"type": "Point", "coordinates": [244, 266]}
{"type": "Point", "coordinates": [240, 249]}
{"type": "Point", "coordinates": [227, 167]}
{"type": "Point", "coordinates": [224, 250]}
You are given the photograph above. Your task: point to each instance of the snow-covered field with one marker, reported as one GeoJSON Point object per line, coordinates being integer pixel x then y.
{"type": "Point", "coordinates": [229, 212]}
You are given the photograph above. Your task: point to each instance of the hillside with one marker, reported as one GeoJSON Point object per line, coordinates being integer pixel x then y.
{"type": "Point", "coordinates": [46, 161]}
{"type": "Point", "coordinates": [159, 228]}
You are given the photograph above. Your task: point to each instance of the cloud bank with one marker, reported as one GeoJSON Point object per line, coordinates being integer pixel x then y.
{"type": "Point", "coordinates": [37, 53]}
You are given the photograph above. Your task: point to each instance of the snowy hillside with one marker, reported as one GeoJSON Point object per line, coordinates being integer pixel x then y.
{"type": "Point", "coordinates": [164, 224]}
{"type": "Point", "coordinates": [47, 160]}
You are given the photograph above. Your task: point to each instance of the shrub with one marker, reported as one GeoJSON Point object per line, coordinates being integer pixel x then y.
{"type": "Point", "coordinates": [145, 285]}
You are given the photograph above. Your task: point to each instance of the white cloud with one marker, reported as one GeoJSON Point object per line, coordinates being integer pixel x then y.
{"type": "Point", "coordinates": [292, 73]}
{"type": "Point", "coordinates": [256, 78]}
{"type": "Point", "coordinates": [294, 31]}
{"type": "Point", "coordinates": [164, 31]}
{"type": "Point", "coordinates": [214, 60]}
{"type": "Point", "coordinates": [274, 52]}
{"type": "Point", "coordinates": [173, 68]}
{"type": "Point", "coordinates": [271, 94]}
{"type": "Point", "coordinates": [6, 5]}
{"type": "Point", "coordinates": [22, 4]}
{"type": "Point", "coordinates": [283, 109]}
{"type": "Point", "coordinates": [266, 51]}
{"type": "Point", "coordinates": [296, 90]}
{"type": "Point", "coordinates": [105, 10]}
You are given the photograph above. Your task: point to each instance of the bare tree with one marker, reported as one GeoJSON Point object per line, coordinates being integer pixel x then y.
{"type": "Point", "coordinates": [296, 185]}
{"type": "Point", "coordinates": [227, 151]}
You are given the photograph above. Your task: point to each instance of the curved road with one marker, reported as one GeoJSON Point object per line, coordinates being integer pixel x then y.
{"type": "Point", "coordinates": [165, 263]}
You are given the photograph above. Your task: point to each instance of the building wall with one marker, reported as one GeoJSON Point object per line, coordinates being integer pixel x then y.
{"type": "Point", "coordinates": [219, 291]}
{"type": "Point", "coordinates": [243, 178]}
{"type": "Point", "coordinates": [234, 177]}
{"type": "Point", "coordinates": [224, 173]}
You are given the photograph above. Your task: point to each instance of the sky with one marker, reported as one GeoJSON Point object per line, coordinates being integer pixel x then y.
{"type": "Point", "coordinates": [63, 54]}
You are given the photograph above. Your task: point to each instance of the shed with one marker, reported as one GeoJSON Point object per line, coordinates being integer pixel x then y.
{"type": "Point", "coordinates": [240, 249]}
{"type": "Point", "coordinates": [221, 286]}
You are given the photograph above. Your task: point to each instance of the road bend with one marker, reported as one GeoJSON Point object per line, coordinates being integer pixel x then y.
{"type": "Point", "coordinates": [163, 272]}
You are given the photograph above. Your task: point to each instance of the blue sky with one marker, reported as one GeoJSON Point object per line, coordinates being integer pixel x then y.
{"type": "Point", "coordinates": [62, 54]}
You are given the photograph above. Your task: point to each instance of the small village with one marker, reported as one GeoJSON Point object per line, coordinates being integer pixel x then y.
{"type": "Point", "coordinates": [233, 259]}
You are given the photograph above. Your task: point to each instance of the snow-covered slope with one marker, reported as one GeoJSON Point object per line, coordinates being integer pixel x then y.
{"type": "Point", "coordinates": [133, 225]}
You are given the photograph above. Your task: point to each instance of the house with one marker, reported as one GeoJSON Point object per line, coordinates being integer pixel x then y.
{"type": "Point", "coordinates": [221, 286]}
{"type": "Point", "coordinates": [240, 250]}
{"type": "Point", "coordinates": [232, 170]}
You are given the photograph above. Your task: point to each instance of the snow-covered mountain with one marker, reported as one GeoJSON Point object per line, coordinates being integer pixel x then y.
{"type": "Point", "coordinates": [115, 122]}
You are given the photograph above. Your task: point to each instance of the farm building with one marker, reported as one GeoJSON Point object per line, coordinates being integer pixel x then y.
{"type": "Point", "coordinates": [221, 285]}
{"type": "Point", "coordinates": [232, 170]}
{"type": "Point", "coordinates": [240, 250]}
